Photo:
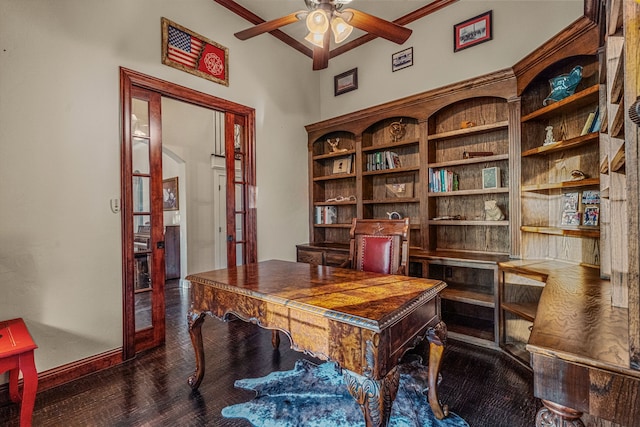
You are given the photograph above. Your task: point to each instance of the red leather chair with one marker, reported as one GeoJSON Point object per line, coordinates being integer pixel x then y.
{"type": "Point", "coordinates": [379, 245]}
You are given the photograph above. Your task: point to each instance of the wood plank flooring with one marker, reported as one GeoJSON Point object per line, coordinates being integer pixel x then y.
{"type": "Point", "coordinates": [485, 387]}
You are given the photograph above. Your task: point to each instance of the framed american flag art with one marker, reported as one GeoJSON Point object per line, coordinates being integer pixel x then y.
{"type": "Point", "coordinates": [188, 51]}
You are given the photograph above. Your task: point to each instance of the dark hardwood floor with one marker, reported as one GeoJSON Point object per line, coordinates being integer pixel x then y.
{"type": "Point", "coordinates": [485, 387]}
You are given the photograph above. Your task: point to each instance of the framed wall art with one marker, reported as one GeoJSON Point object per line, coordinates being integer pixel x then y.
{"type": "Point", "coordinates": [473, 31]}
{"type": "Point", "coordinates": [170, 199]}
{"type": "Point", "coordinates": [190, 52]}
{"type": "Point", "coordinates": [402, 59]}
{"type": "Point", "coordinates": [491, 178]}
{"type": "Point", "coordinates": [345, 82]}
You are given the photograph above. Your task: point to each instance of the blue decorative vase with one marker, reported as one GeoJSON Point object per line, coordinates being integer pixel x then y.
{"type": "Point", "coordinates": [564, 85]}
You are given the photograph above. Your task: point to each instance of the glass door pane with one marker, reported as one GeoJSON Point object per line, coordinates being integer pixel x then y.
{"type": "Point", "coordinates": [141, 187]}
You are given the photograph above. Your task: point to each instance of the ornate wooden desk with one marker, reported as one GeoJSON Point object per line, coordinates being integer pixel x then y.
{"type": "Point", "coordinates": [363, 321]}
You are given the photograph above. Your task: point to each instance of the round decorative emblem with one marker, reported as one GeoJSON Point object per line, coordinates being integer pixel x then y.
{"type": "Point", "coordinates": [397, 130]}
{"type": "Point", "coordinates": [213, 63]}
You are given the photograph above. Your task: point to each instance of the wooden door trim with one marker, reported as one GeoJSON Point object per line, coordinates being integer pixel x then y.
{"type": "Point", "coordinates": [128, 79]}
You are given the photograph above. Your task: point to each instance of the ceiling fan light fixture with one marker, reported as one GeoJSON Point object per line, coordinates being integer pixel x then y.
{"type": "Point", "coordinates": [317, 21]}
{"type": "Point", "coordinates": [341, 30]}
{"type": "Point", "coordinates": [315, 39]}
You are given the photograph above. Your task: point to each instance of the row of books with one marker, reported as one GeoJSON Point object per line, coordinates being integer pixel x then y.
{"type": "Point", "coordinates": [593, 122]}
{"type": "Point", "coordinates": [442, 180]}
{"type": "Point", "coordinates": [326, 215]}
{"type": "Point", "coordinates": [382, 160]}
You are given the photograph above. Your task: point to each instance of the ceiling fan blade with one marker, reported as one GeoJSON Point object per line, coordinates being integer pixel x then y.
{"type": "Point", "coordinates": [268, 26]}
{"type": "Point", "coordinates": [377, 26]}
{"type": "Point", "coordinates": [321, 54]}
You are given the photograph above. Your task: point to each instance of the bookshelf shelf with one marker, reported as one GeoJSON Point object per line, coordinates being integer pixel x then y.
{"type": "Point", "coordinates": [579, 141]}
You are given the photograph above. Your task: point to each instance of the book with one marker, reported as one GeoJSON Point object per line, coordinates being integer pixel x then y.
{"type": "Point", "coordinates": [319, 215]}
{"type": "Point", "coordinates": [588, 123]}
{"type": "Point", "coordinates": [330, 215]}
{"type": "Point", "coordinates": [597, 122]}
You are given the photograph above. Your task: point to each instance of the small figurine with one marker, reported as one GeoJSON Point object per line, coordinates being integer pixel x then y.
{"type": "Point", "coordinates": [492, 212]}
{"type": "Point", "coordinates": [577, 175]}
{"type": "Point", "coordinates": [549, 138]}
{"type": "Point", "coordinates": [334, 146]}
{"type": "Point", "coordinates": [467, 124]}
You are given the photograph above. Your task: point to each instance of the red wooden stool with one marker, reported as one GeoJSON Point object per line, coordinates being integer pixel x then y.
{"type": "Point", "coordinates": [16, 354]}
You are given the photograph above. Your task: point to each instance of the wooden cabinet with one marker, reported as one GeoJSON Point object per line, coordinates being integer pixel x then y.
{"type": "Point", "coordinates": [554, 219]}
{"type": "Point", "coordinates": [469, 142]}
{"type": "Point", "coordinates": [390, 164]}
{"type": "Point", "coordinates": [555, 147]}
{"type": "Point", "coordinates": [391, 149]}
{"type": "Point", "coordinates": [471, 298]}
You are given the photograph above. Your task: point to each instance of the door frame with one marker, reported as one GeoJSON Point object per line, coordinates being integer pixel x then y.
{"type": "Point", "coordinates": [128, 80]}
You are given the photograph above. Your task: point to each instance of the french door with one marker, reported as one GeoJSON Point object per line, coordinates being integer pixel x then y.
{"type": "Point", "coordinates": [142, 198]}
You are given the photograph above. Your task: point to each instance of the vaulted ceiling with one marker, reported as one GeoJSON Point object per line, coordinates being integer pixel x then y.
{"type": "Point", "coordinates": [401, 12]}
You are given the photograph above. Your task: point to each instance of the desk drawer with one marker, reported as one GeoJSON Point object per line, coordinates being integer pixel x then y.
{"type": "Point", "coordinates": [310, 256]}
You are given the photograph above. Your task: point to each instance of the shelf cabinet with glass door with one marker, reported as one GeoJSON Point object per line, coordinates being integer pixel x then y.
{"type": "Point", "coordinates": [560, 164]}
{"type": "Point", "coordinates": [391, 184]}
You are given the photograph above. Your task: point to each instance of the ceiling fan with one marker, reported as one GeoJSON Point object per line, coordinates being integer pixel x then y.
{"type": "Point", "coordinates": [324, 14]}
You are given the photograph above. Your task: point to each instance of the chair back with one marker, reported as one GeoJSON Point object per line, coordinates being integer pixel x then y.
{"type": "Point", "coordinates": [379, 245]}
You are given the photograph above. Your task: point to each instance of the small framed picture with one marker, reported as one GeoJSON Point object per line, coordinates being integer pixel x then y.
{"type": "Point", "coordinates": [170, 200]}
{"type": "Point", "coordinates": [591, 214]}
{"type": "Point", "coordinates": [402, 59]}
{"type": "Point", "coordinates": [473, 31]}
{"type": "Point", "coordinates": [491, 178]}
{"type": "Point", "coordinates": [345, 82]}
{"type": "Point", "coordinates": [342, 165]}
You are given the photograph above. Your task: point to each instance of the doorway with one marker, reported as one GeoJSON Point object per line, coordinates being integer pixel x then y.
{"type": "Point", "coordinates": [144, 210]}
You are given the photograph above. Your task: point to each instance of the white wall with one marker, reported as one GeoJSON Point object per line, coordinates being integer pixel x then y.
{"type": "Point", "coordinates": [60, 257]}
{"type": "Point", "coordinates": [519, 27]}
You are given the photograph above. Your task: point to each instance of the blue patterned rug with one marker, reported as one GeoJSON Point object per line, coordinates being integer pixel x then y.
{"type": "Point", "coordinates": [316, 396]}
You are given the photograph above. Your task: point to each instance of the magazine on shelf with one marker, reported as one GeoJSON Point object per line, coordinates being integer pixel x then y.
{"type": "Point", "coordinates": [570, 201]}
{"type": "Point", "coordinates": [570, 218]}
{"type": "Point", "coordinates": [591, 215]}
{"type": "Point", "coordinates": [591, 197]}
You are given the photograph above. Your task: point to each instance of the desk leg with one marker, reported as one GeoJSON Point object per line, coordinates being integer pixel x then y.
{"type": "Point", "coordinates": [375, 397]}
{"type": "Point", "coordinates": [29, 387]}
{"type": "Point", "coordinates": [437, 337]}
{"type": "Point", "coordinates": [195, 331]}
{"type": "Point", "coordinates": [14, 392]}
{"type": "Point", "coordinates": [552, 414]}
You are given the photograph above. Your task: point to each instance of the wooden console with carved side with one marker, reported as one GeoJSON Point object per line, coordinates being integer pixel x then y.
{"type": "Point", "coordinates": [579, 347]}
